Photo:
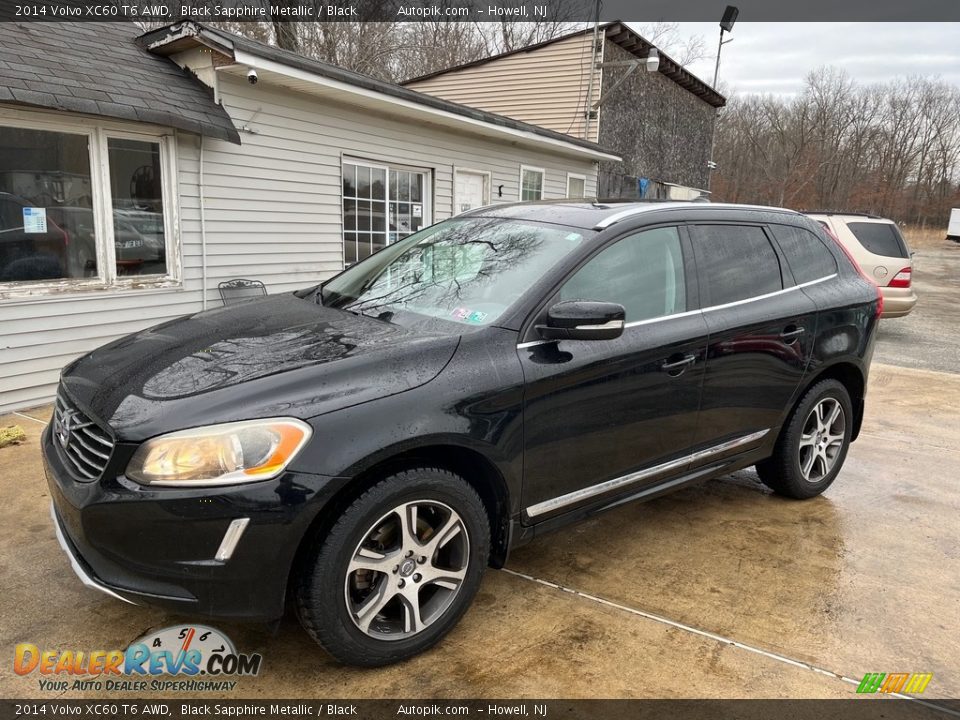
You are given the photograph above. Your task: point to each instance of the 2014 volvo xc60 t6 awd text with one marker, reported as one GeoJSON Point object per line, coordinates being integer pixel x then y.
{"type": "Point", "coordinates": [369, 445]}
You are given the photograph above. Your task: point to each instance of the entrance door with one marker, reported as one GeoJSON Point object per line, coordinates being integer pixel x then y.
{"type": "Point", "coordinates": [472, 190]}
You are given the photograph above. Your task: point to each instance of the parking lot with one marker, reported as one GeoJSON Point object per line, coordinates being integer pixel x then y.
{"type": "Point", "coordinates": [720, 590]}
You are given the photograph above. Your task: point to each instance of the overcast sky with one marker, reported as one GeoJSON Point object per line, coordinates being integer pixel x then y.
{"type": "Point", "coordinates": [775, 57]}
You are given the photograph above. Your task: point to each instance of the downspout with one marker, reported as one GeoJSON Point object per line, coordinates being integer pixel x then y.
{"type": "Point", "coordinates": [203, 232]}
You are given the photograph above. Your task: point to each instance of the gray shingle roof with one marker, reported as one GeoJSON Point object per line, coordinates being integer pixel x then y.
{"type": "Point", "coordinates": [98, 69]}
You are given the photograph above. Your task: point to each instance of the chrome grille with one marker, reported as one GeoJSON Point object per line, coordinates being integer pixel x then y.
{"type": "Point", "coordinates": [84, 445]}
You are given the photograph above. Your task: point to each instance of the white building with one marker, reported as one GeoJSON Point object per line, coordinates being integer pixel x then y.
{"type": "Point", "coordinates": [138, 173]}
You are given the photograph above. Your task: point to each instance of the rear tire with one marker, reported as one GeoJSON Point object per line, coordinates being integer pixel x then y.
{"type": "Point", "coordinates": [812, 445]}
{"type": "Point", "coordinates": [398, 569]}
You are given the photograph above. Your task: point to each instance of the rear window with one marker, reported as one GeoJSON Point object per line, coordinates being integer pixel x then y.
{"type": "Point", "coordinates": [735, 262]}
{"type": "Point", "coordinates": [880, 238]}
{"type": "Point", "coordinates": [808, 257]}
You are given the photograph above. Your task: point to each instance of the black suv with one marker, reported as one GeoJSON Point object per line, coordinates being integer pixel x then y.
{"type": "Point", "coordinates": [369, 445]}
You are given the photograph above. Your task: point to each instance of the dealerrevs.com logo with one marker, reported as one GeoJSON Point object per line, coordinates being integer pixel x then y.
{"type": "Point", "coordinates": [203, 654]}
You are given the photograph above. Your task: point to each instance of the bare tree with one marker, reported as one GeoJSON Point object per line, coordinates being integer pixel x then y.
{"type": "Point", "coordinates": [893, 149]}
{"type": "Point", "coordinates": [685, 49]}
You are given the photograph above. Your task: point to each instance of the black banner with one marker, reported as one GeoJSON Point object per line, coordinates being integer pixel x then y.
{"type": "Point", "coordinates": [477, 10]}
{"type": "Point", "coordinates": [858, 708]}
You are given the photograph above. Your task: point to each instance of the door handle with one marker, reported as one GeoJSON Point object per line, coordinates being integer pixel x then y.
{"type": "Point", "coordinates": [679, 364]}
{"type": "Point", "coordinates": [791, 333]}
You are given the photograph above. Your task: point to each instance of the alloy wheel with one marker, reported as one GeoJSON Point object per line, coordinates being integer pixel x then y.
{"type": "Point", "coordinates": [822, 439]}
{"type": "Point", "coordinates": [407, 570]}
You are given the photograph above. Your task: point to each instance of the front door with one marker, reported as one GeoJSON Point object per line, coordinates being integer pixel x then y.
{"type": "Point", "coordinates": [607, 417]}
{"type": "Point", "coordinates": [761, 335]}
{"type": "Point", "coordinates": [472, 190]}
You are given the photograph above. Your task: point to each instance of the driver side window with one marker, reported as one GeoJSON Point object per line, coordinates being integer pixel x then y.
{"type": "Point", "coordinates": [642, 272]}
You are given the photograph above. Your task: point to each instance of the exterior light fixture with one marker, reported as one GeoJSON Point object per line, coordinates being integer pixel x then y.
{"type": "Point", "coordinates": [653, 60]}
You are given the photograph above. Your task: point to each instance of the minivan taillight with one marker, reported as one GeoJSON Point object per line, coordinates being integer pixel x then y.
{"type": "Point", "coordinates": [866, 277]}
{"type": "Point", "coordinates": [901, 279]}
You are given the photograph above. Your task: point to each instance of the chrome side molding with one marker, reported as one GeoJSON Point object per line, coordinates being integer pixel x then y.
{"type": "Point", "coordinates": [577, 496]}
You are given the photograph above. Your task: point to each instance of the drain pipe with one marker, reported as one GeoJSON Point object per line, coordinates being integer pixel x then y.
{"type": "Point", "coordinates": [203, 232]}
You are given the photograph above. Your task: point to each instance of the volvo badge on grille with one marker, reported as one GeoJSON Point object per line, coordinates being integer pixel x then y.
{"type": "Point", "coordinates": [64, 427]}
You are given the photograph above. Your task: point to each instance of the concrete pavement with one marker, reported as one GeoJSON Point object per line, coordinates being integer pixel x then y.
{"type": "Point", "coordinates": [927, 338]}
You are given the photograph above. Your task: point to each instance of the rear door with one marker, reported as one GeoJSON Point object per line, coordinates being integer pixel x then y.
{"type": "Point", "coordinates": [762, 328]}
{"type": "Point", "coordinates": [607, 417]}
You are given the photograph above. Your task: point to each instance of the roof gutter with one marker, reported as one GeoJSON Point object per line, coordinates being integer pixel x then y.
{"type": "Point", "coordinates": [247, 59]}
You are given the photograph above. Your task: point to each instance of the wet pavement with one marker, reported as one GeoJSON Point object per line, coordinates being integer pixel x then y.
{"type": "Point", "coordinates": [928, 337]}
{"type": "Point", "coordinates": [720, 590]}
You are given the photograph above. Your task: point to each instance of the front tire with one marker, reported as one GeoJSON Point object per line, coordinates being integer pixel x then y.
{"type": "Point", "coordinates": [813, 444]}
{"type": "Point", "coordinates": [398, 569]}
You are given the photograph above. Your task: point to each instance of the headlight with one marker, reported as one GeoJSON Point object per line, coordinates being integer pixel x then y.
{"type": "Point", "coordinates": [227, 454]}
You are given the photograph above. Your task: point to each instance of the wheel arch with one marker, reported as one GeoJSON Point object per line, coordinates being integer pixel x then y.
{"type": "Point", "coordinates": [848, 374]}
{"type": "Point", "coordinates": [470, 464]}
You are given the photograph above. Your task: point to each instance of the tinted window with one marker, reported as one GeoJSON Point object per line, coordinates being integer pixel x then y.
{"type": "Point", "coordinates": [735, 262]}
{"type": "Point", "coordinates": [879, 238]}
{"type": "Point", "coordinates": [642, 272]}
{"type": "Point", "coordinates": [807, 255]}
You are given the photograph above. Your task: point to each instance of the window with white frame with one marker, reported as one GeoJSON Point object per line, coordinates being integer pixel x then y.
{"type": "Point", "coordinates": [576, 185]}
{"type": "Point", "coordinates": [381, 204]}
{"type": "Point", "coordinates": [531, 183]}
{"type": "Point", "coordinates": [82, 205]}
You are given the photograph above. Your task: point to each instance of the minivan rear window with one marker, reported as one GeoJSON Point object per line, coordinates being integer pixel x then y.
{"type": "Point", "coordinates": [880, 238]}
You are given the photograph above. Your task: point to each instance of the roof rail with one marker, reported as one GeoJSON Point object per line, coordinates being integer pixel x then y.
{"type": "Point", "coordinates": [843, 212]}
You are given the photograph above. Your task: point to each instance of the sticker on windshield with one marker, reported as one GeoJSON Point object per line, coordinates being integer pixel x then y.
{"type": "Point", "coordinates": [466, 315]}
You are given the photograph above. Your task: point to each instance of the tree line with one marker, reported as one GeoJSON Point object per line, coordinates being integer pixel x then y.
{"type": "Point", "coordinates": [892, 149]}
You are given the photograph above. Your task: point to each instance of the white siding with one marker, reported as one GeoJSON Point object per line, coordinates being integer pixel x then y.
{"type": "Point", "coordinates": [277, 198]}
{"type": "Point", "coordinates": [272, 212]}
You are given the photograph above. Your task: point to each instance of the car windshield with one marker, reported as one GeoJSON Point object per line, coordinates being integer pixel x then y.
{"type": "Point", "coordinates": [467, 270]}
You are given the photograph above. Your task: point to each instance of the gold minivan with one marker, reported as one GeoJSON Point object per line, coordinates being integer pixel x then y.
{"type": "Point", "coordinates": [880, 249]}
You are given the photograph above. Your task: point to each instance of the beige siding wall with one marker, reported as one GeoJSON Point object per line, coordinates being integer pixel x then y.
{"type": "Point", "coordinates": [272, 211]}
{"type": "Point", "coordinates": [546, 86]}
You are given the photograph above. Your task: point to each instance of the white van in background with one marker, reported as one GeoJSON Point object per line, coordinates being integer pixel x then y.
{"type": "Point", "coordinates": [953, 229]}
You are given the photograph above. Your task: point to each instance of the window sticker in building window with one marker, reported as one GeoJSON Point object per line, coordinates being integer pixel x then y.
{"type": "Point", "coordinates": [46, 207]}
{"type": "Point", "coordinates": [136, 186]}
{"type": "Point", "coordinates": [34, 220]}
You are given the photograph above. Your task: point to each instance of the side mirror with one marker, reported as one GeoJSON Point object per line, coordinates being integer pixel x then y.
{"type": "Point", "coordinates": [583, 320]}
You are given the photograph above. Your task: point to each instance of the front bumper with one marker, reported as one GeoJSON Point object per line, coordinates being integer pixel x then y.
{"type": "Point", "coordinates": [166, 547]}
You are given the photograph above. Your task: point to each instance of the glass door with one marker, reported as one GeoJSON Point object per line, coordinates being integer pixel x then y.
{"type": "Point", "coordinates": [381, 205]}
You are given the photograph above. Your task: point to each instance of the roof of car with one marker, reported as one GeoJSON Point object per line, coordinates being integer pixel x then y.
{"type": "Point", "coordinates": [601, 214]}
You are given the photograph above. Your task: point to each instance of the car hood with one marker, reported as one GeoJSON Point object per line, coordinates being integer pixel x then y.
{"type": "Point", "coordinates": [279, 356]}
